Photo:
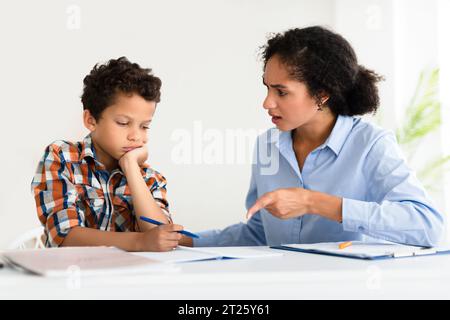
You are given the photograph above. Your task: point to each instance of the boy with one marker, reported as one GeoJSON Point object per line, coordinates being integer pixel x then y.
{"type": "Point", "coordinates": [87, 191]}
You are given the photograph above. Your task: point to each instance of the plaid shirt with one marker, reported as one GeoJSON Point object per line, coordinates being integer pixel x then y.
{"type": "Point", "coordinates": [71, 188]}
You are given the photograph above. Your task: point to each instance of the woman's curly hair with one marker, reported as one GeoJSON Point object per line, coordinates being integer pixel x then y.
{"type": "Point", "coordinates": [327, 64]}
{"type": "Point", "coordinates": [105, 81]}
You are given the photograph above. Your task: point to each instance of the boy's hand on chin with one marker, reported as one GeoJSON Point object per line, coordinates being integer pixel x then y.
{"type": "Point", "coordinates": [136, 156]}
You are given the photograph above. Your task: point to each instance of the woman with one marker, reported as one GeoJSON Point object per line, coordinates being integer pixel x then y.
{"type": "Point", "coordinates": [339, 178]}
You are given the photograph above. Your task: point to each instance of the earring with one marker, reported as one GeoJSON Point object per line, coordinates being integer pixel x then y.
{"type": "Point", "coordinates": [319, 106]}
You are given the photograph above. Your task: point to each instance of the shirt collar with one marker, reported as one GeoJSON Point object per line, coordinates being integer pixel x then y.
{"type": "Point", "coordinates": [339, 134]}
{"type": "Point", "coordinates": [335, 141]}
{"type": "Point", "coordinates": [88, 152]}
{"type": "Point", "coordinates": [284, 140]}
{"type": "Point", "coordinates": [87, 149]}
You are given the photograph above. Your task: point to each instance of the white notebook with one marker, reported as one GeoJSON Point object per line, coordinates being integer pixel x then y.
{"type": "Point", "coordinates": [187, 254]}
{"type": "Point", "coordinates": [87, 261]}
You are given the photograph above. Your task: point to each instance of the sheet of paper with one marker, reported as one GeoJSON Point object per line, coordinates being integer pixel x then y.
{"type": "Point", "coordinates": [180, 254]}
{"type": "Point", "coordinates": [240, 252]}
{"type": "Point", "coordinates": [185, 254]}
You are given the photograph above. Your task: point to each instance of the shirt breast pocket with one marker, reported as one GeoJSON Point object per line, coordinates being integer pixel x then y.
{"type": "Point", "coordinates": [89, 189]}
{"type": "Point", "coordinates": [95, 199]}
{"type": "Point", "coordinates": [81, 174]}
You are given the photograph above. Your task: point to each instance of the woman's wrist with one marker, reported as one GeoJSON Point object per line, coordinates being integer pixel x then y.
{"type": "Point", "coordinates": [325, 205]}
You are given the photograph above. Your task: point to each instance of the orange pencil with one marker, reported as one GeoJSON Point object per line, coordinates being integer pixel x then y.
{"type": "Point", "coordinates": [345, 244]}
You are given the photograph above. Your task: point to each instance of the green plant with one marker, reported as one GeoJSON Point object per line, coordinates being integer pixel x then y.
{"type": "Point", "coordinates": [422, 117]}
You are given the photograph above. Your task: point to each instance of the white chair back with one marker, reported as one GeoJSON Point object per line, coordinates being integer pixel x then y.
{"type": "Point", "coordinates": [32, 239]}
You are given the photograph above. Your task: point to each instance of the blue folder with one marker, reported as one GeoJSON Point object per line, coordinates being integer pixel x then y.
{"type": "Point", "coordinates": [363, 250]}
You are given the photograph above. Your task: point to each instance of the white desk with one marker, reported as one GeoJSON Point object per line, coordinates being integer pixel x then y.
{"type": "Point", "coordinates": [292, 276]}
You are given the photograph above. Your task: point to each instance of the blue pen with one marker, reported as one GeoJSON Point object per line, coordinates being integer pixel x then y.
{"type": "Point", "coordinates": [186, 233]}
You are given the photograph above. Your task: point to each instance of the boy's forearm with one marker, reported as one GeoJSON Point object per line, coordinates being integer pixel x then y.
{"type": "Point", "coordinates": [83, 237]}
{"type": "Point", "coordinates": [143, 202]}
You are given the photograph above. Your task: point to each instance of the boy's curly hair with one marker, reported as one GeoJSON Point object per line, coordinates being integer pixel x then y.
{"type": "Point", "coordinates": [105, 81]}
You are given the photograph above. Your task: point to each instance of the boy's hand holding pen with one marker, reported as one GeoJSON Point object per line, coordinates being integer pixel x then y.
{"type": "Point", "coordinates": [163, 238]}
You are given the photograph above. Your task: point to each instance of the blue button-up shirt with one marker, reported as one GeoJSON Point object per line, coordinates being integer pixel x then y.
{"type": "Point", "coordinates": [359, 162]}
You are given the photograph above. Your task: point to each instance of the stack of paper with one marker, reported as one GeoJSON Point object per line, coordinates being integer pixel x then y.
{"type": "Point", "coordinates": [86, 261]}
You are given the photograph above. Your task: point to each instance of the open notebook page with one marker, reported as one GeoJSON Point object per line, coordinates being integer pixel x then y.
{"type": "Point", "coordinates": [185, 254]}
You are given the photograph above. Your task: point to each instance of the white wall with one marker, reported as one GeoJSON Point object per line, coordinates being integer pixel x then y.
{"type": "Point", "coordinates": [398, 39]}
{"type": "Point", "coordinates": [205, 53]}
{"type": "Point", "coordinates": [443, 31]}
{"type": "Point", "coordinates": [368, 26]}
{"type": "Point", "coordinates": [416, 50]}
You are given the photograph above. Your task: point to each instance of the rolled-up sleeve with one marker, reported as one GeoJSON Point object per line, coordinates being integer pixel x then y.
{"type": "Point", "coordinates": [55, 196]}
{"type": "Point", "coordinates": [397, 207]}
